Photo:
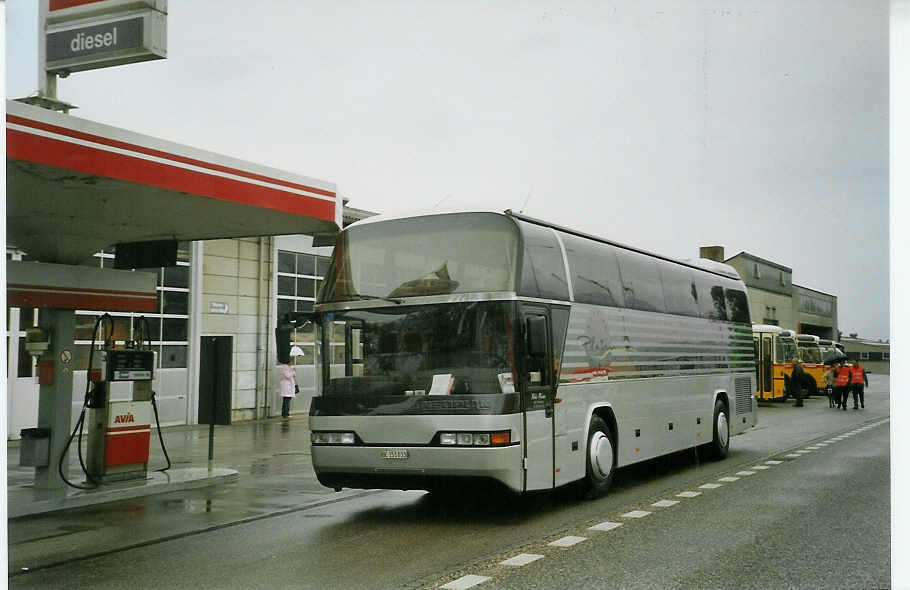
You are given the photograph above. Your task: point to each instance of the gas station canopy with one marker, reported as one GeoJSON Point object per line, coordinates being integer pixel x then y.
{"type": "Point", "coordinates": [75, 187]}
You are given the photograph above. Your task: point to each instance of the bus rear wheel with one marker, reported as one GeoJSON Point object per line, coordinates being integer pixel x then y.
{"type": "Point", "coordinates": [719, 446]}
{"type": "Point", "coordinates": [600, 460]}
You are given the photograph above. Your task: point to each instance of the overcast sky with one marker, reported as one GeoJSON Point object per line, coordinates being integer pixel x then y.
{"type": "Point", "coordinates": [760, 126]}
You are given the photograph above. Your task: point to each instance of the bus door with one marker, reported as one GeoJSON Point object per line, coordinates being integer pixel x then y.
{"type": "Point", "coordinates": [537, 393]}
{"type": "Point", "coordinates": [763, 365]}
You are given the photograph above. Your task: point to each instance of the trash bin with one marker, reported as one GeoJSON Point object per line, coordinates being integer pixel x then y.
{"type": "Point", "coordinates": [34, 449]}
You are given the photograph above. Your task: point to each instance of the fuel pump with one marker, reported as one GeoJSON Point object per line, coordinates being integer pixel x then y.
{"type": "Point", "coordinates": [118, 432]}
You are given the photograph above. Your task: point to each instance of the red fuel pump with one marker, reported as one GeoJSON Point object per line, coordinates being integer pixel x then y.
{"type": "Point", "coordinates": [119, 432]}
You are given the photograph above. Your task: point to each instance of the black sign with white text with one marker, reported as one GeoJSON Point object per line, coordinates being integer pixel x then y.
{"type": "Point", "coordinates": [95, 39]}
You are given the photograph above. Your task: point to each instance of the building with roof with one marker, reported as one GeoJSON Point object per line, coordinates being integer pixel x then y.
{"type": "Point", "coordinates": [774, 299]}
{"type": "Point", "coordinates": [875, 355]}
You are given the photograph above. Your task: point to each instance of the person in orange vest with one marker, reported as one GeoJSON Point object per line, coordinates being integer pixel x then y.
{"type": "Point", "coordinates": [842, 385]}
{"type": "Point", "coordinates": [858, 383]}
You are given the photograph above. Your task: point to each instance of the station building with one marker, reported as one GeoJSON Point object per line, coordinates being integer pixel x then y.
{"type": "Point", "coordinates": [100, 185]}
{"type": "Point", "coordinates": [774, 298]}
{"type": "Point", "coordinates": [233, 289]}
{"type": "Point", "coordinates": [873, 354]}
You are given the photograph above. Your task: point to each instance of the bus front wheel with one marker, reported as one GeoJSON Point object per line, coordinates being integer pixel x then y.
{"type": "Point", "coordinates": [600, 459]}
{"type": "Point", "coordinates": [719, 447]}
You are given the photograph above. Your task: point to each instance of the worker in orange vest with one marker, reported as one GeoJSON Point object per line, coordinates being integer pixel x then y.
{"type": "Point", "coordinates": [842, 385]}
{"type": "Point", "coordinates": [858, 383]}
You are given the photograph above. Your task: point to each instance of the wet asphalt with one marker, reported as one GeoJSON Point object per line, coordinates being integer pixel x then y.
{"type": "Point", "coordinates": [276, 527]}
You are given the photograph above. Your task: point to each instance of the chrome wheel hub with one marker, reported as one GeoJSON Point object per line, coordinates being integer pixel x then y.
{"type": "Point", "coordinates": [601, 456]}
{"type": "Point", "coordinates": [723, 429]}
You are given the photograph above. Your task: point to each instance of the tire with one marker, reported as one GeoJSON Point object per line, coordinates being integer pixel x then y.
{"type": "Point", "coordinates": [600, 460]}
{"type": "Point", "coordinates": [719, 447]}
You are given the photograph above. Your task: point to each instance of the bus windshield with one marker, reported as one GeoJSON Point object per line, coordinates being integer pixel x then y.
{"type": "Point", "coordinates": [810, 353]}
{"type": "Point", "coordinates": [786, 349]}
{"type": "Point", "coordinates": [433, 255]}
{"type": "Point", "coordinates": [455, 348]}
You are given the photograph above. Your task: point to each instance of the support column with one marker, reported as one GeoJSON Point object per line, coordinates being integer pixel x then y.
{"type": "Point", "coordinates": [55, 401]}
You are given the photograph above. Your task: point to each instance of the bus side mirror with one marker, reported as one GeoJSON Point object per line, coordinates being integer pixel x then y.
{"type": "Point", "coordinates": [286, 324]}
{"type": "Point", "coordinates": [537, 336]}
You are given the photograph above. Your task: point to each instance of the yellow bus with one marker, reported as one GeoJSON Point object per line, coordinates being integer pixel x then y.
{"type": "Point", "coordinates": [810, 353]}
{"type": "Point", "coordinates": [775, 349]}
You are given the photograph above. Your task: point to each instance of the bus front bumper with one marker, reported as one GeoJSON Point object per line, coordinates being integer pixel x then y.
{"type": "Point", "coordinates": [413, 467]}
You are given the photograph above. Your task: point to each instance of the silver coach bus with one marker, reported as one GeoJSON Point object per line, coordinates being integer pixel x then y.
{"type": "Point", "coordinates": [499, 347]}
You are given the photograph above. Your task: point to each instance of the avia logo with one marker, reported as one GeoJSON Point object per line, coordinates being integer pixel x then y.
{"type": "Point", "coordinates": [124, 418]}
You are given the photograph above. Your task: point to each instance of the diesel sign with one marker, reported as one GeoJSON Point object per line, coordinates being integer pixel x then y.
{"type": "Point", "coordinates": [125, 34]}
{"type": "Point", "coordinates": [86, 45]}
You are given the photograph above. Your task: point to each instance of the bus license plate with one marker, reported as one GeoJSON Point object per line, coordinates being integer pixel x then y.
{"type": "Point", "coordinates": [396, 454]}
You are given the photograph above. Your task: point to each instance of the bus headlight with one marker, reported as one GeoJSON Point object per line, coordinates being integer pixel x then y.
{"type": "Point", "coordinates": [332, 438]}
{"type": "Point", "coordinates": [475, 439]}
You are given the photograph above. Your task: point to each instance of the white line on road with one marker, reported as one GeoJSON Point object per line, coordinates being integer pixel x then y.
{"type": "Point", "coordinates": [521, 559]}
{"type": "Point", "coordinates": [688, 494]}
{"type": "Point", "coordinates": [762, 467]}
{"type": "Point", "coordinates": [465, 582]}
{"type": "Point", "coordinates": [636, 514]}
{"type": "Point", "coordinates": [793, 456]}
{"type": "Point", "coordinates": [567, 541]}
{"type": "Point", "coordinates": [745, 473]}
{"type": "Point", "coordinates": [773, 462]}
{"type": "Point", "coordinates": [728, 479]}
{"type": "Point", "coordinates": [665, 503]}
{"type": "Point", "coordinates": [605, 526]}
{"type": "Point", "coordinates": [709, 486]}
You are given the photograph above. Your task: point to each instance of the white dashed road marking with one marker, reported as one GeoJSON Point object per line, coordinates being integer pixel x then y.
{"type": "Point", "coordinates": [665, 503]}
{"type": "Point", "coordinates": [567, 541]}
{"type": "Point", "coordinates": [465, 582]}
{"type": "Point", "coordinates": [605, 526]}
{"type": "Point", "coordinates": [521, 559]}
{"type": "Point", "coordinates": [471, 580]}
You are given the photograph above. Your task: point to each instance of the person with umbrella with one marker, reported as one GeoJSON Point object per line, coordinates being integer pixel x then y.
{"type": "Point", "coordinates": [287, 387]}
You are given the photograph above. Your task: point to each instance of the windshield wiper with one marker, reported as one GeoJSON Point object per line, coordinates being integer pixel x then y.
{"type": "Point", "coordinates": [389, 299]}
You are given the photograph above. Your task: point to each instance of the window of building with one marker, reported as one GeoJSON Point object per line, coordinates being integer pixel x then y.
{"type": "Point", "coordinates": [299, 279]}
{"type": "Point", "coordinates": [864, 355]}
{"type": "Point", "coordinates": [168, 326]}
{"type": "Point", "coordinates": [756, 270]}
{"type": "Point", "coordinates": [886, 356]}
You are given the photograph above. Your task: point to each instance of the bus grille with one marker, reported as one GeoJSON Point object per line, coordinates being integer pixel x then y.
{"type": "Point", "coordinates": [743, 395]}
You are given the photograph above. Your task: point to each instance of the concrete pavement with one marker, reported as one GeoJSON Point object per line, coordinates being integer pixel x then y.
{"type": "Point", "coordinates": [272, 452]}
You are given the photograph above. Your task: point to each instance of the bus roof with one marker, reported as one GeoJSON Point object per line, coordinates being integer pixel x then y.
{"type": "Point", "coordinates": [767, 328]}
{"type": "Point", "coordinates": [807, 338]}
{"type": "Point", "coordinates": [703, 264]}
